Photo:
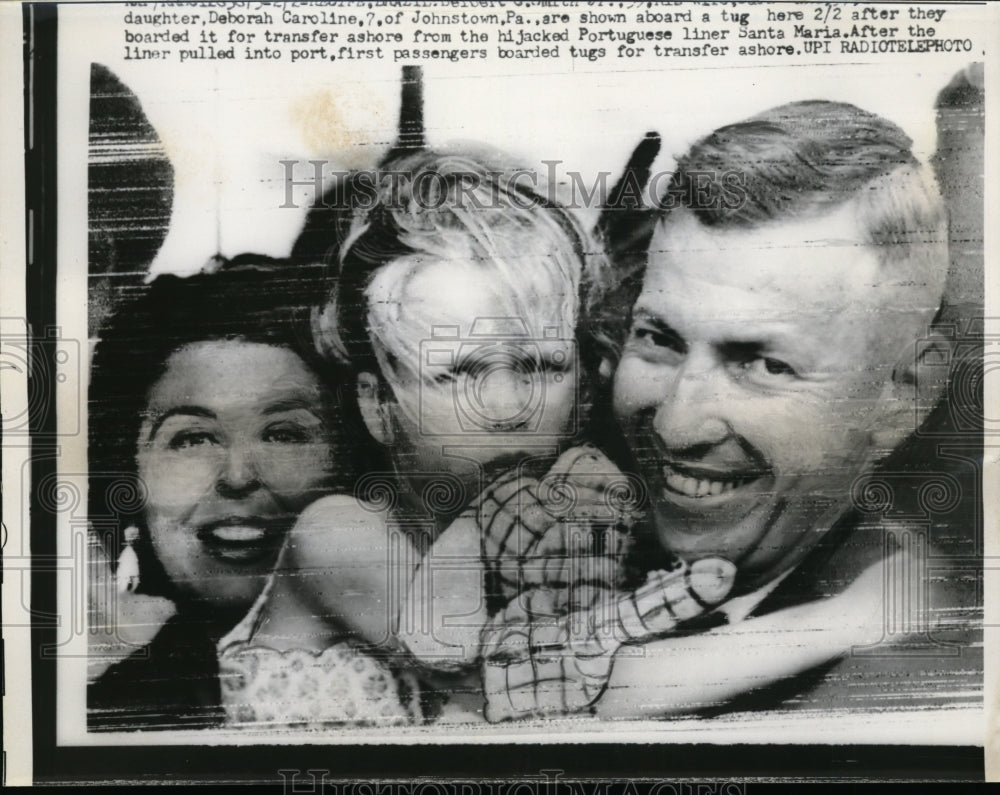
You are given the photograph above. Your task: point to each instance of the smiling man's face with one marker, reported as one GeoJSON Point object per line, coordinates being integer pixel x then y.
{"type": "Point", "coordinates": [758, 367]}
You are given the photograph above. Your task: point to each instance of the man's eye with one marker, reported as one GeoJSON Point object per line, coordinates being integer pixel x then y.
{"type": "Point", "coordinates": [778, 367]}
{"type": "Point", "coordinates": [766, 365]}
{"type": "Point", "coordinates": [654, 337]}
{"type": "Point", "coordinates": [287, 434]}
{"type": "Point", "coordinates": [186, 440]}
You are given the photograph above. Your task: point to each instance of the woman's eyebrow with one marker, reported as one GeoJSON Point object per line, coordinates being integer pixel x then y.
{"type": "Point", "coordinates": [761, 341]}
{"type": "Point", "coordinates": [290, 404]}
{"type": "Point", "coordinates": [195, 411]}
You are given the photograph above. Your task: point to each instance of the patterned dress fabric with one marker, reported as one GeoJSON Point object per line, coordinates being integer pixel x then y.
{"type": "Point", "coordinates": [344, 684]}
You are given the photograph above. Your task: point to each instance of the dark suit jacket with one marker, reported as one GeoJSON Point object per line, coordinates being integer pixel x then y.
{"type": "Point", "coordinates": [939, 665]}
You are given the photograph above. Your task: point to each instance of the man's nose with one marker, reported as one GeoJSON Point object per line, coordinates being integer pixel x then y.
{"type": "Point", "coordinates": [239, 475]}
{"type": "Point", "coordinates": [694, 410]}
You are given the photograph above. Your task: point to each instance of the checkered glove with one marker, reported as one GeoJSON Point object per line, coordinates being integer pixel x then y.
{"type": "Point", "coordinates": [539, 659]}
{"type": "Point", "coordinates": [573, 525]}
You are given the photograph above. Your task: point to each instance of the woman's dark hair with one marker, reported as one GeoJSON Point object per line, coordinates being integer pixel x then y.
{"type": "Point", "coordinates": [249, 298]}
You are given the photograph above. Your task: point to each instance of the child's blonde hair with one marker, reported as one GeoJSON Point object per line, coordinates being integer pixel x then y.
{"type": "Point", "coordinates": [430, 208]}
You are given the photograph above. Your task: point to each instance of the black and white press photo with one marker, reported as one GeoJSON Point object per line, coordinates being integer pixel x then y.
{"type": "Point", "coordinates": [451, 374]}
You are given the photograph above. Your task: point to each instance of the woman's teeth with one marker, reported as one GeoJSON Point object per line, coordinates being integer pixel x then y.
{"type": "Point", "coordinates": [700, 487]}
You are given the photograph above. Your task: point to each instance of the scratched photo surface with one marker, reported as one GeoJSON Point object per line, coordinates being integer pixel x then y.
{"type": "Point", "coordinates": [511, 372]}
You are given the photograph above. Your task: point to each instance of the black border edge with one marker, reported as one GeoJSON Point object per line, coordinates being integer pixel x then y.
{"type": "Point", "coordinates": [365, 765]}
{"type": "Point", "coordinates": [40, 128]}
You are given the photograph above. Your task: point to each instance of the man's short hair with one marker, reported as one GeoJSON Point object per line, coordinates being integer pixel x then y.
{"type": "Point", "coordinates": [796, 161]}
{"type": "Point", "coordinates": [806, 158]}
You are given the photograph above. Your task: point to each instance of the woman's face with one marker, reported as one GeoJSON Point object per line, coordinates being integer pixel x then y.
{"type": "Point", "coordinates": [236, 442]}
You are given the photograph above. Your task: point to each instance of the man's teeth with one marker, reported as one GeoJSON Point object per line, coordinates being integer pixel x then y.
{"type": "Point", "coordinates": [238, 533]}
{"type": "Point", "coordinates": [699, 487]}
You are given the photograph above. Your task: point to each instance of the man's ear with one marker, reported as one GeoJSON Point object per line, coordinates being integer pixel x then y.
{"type": "Point", "coordinates": [918, 382]}
{"type": "Point", "coordinates": [374, 411]}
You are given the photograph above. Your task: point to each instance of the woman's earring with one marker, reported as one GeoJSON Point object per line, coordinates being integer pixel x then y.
{"type": "Point", "coordinates": [385, 417]}
{"type": "Point", "coordinates": [127, 573]}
